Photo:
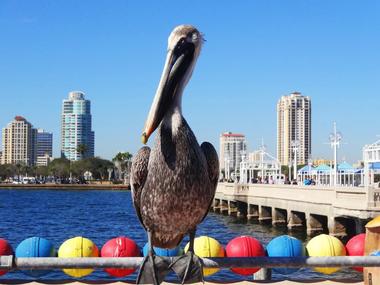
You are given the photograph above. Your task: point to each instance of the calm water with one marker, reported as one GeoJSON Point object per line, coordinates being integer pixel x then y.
{"type": "Point", "coordinates": [58, 215]}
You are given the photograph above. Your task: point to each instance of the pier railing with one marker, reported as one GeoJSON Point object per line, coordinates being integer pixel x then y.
{"type": "Point", "coordinates": [12, 263]}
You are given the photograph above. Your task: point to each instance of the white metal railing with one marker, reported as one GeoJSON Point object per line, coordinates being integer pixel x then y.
{"type": "Point", "coordinates": [12, 263]}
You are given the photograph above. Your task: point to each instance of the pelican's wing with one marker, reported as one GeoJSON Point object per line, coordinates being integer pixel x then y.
{"type": "Point", "coordinates": [213, 167]}
{"type": "Point", "coordinates": [212, 162]}
{"type": "Point", "coordinates": [139, 172]}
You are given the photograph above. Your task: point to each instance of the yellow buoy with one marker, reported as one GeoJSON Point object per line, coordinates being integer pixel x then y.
{"type": "Point", "coordinates": [207, 247]}
{"type": "Point", "coordinates": [374, 223]}
{"type": "Point", "coordinates": [78, 247]}
{"type": "Point", "coordinates": [325, 245]}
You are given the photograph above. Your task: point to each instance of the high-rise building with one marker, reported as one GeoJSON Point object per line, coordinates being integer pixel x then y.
{"type": "Point", "coordinates": [44, 147]}
{"type": "Point", "coordinates": [19, 142]}
{"type": "Point", "coordinates": [232, 147]}
{"type": "Point", "coordinates": [294, 128]}
{"type": "Point", "coordinates": [77, 137]}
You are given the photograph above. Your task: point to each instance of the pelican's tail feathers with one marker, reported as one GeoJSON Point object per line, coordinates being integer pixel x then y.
{"type": "Point", "coordinates": [162, 242]}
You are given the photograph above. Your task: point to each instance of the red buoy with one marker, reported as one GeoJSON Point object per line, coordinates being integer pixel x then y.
{"type": "Point", "coordinates": [120, 247]}
{"type": "Point", "coordinates": [5, 249]}
{"type": "Point", "coordinates": [355, 247]}
{"type": "Point", "coordinates": [244, 246]}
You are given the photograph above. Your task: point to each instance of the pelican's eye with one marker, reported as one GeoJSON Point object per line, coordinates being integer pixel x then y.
{"type": "Point", "coordinates": [183, 47]}
{"type": "Point", "coordinates": [194, 37]}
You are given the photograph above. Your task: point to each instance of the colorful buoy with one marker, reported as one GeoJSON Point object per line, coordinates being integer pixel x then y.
{"type": "Point", "coordinates": [177, 251]}
{"type": "Point", "coordinates": [35, 247]}
{"type": "Point", "coordinates": [285, 246]}
{"type": "Point", "coordinates": [325, 245]}
{"type": "Point", "coordinates": [120, 247]}
{"type": "Point", "coordinates": [244, 246]}
{"type": "Point", "coordinates": [375, 253]}
{"type": "Point", "coordinates": [78, 247]}
{"type": "Point", "coordinates": [207, 247]}
{"type": "Point", "coordinates": [5, 249]}
{"type": "Point", "coordinates": [355, 247]}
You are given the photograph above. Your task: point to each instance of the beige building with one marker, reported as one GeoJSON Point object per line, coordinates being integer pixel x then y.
{"type": "Point", "coordinates": [320, 161]}
{"type": "Point", "coordinates": [294, 128]}
{"type": "Point", "coordinates": [232, 146]}
{"type": "Point", "coordinates": [19, 142]}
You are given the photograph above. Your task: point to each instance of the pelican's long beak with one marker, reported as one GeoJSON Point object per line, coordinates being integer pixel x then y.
{"type": "Point", "coordinates": [178, 62]}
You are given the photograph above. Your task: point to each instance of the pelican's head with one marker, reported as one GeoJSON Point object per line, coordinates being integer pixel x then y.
{"type": "Point", "coordinates": [184, 46]}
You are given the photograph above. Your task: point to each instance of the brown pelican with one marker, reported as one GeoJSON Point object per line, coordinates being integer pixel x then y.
{"type": "Point", "coordinates": [173, 184]}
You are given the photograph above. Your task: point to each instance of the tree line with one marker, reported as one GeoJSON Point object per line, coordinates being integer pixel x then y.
{"type": "Point", "coordinates": [63, 168]}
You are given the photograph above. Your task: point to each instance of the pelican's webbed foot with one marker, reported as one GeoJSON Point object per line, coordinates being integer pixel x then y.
{"type": "Point", "coordinates": [153, 269]}
{"type": "Point", "coordinates": [189, 268]}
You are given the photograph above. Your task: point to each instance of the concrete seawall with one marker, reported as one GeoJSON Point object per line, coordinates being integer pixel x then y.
{"type": "Point", "coordinates": [340, 211]}
{"type": "Point", "coordinates": [97, 186]}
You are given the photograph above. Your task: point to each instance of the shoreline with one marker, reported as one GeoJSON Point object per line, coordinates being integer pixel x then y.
{"type": "Point", "coordinates": [65, 186]}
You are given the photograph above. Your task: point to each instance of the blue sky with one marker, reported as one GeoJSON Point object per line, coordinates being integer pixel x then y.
{"type": "Point", "coordinates": [256, 51]}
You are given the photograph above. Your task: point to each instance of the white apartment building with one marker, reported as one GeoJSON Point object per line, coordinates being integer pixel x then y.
{"type": "Point", "coordinates": [294, 128]}
{"type": "Point", "coordinates": [76, 127]}
{"type": "Point", "coordinates": [232, 147]}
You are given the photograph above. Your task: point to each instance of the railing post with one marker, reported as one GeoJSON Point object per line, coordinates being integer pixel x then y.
{"type": "Point", "coordinates": [263, 274]}
{"type": "Point", "coordinates": [6, 262]}
{"type": "Point", "coordinates": [372, 243]}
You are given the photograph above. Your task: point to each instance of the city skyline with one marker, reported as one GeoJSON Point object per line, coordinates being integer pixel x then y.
{"type": "Point", "coordinates": [327, 51]}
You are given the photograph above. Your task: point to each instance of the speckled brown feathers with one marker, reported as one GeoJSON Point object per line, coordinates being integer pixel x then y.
{"type": "Point", "coordinates": [139, 173]}
{"type": "Point", "coordinates": [179, 186]}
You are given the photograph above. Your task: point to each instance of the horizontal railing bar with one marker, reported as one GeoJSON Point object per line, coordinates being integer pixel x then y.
{"type": "Point", "coordinates": [10, 262]}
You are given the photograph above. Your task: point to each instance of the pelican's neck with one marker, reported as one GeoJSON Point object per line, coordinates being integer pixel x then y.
{"type": "Point", "coordinates": [173, 118]}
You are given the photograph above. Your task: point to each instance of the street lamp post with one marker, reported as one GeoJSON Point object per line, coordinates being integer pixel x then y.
{"type": "Point", "coordinates": [295, 145]}
{"type": "Point", "coordinates": [262, 153]}
{"type": "Point", "coordinates": [290, 170]}
{"type": "Point", "coordinates": [227, 168]}
{"type": "Point", "coordinates": [335, 138]}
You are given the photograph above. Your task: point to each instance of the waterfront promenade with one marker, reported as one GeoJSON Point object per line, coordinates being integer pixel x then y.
{"type": "Point", "coordinates": [339, 210]}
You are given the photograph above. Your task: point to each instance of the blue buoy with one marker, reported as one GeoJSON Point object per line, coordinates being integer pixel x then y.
{"type": "Point", "coordinates": [285, 246]}
{"type": "Point", "coordinates": [35, 247]}
{"type": "Point", "coordinates": [163, 251]}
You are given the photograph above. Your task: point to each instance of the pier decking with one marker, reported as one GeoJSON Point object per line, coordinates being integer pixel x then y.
{"type": "Point", "coordinates": [339, 210]}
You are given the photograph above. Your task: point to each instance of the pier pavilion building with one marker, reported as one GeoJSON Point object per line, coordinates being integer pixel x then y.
{"type": "Point", "coordinates": [260, 166]}
{"type": "Point", "coordinates": [371, 157]}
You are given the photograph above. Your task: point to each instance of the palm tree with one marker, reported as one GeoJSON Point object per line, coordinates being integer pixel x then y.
{"type": "Point", "coordinates": [122, 161]}
{"type": "Point", "coordinates": [122, 156]}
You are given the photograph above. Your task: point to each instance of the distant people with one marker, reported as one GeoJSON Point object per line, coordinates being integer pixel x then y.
{"type": "Point", "coordinates": [307, 181]}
